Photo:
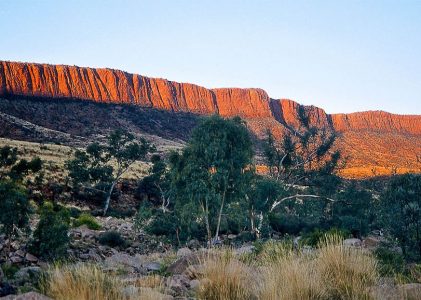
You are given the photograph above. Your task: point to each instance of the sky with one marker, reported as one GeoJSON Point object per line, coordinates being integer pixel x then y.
{"type": "Point", "coordinates": [343, 56]}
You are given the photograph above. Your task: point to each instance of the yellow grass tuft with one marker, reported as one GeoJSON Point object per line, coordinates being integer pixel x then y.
{"type": "Point", "coordinates": [82, 282]}
{"type": "Point", "coordinates": [225, 278]}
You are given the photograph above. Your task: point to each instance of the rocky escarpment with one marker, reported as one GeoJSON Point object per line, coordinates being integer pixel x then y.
{"type": "Point", "coordinates": [356, 130]}
{"type": "Point", "coordinates": [106, 85]}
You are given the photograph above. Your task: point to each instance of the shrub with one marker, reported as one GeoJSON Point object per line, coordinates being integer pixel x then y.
{"type": "Point", "coordinates": [88, 220]}
{"type": "Point", "coordinates": [75, 212]}
{"type": "Point", "coordinates": [314, 237]}
{"type": "Point", "coordinates": [390, 262]}
{"type": "Point", "coordinates": [112, 239]}
{"type": "Point", "coordinates": [50, 239]}
{"type": "Point", "coordinates": [14, 208]}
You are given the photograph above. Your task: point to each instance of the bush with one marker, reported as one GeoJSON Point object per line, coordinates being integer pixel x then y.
{"type": "Point", "coordinates": [14, 208]}
{"type": "Point", "coordinates": [88, 220]}
{"type": "Point", "coordinates": [390, 262]}
{"type": "Point", "coordinates": [316, 236]}
{"type": "Point", "coordinates": [112, 239]}
{"type": "Point", "coordinates": [50, 239]}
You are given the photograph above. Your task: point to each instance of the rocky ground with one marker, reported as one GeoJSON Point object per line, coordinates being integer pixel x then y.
{"type": "Point", "coordinates": [144, 262]}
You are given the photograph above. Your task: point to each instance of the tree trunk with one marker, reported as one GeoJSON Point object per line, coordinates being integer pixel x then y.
{"type": "Point", "coordinates": [107, 201]}
{"type": "Point", "coordinates": [251, 216]}
{"type": "Point", "coordinates": [220, 216]}
{"type": "Point", "coordinates": [206, 212]}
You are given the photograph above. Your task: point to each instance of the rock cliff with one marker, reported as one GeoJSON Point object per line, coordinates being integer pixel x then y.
{"type": "Point", "coordinates": [114, 86]}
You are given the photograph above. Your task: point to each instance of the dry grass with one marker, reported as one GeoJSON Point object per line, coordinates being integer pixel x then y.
{"type": "Point", "coordinates": [89, 282]}
{"type": "Point", "coordinates": [225, 277]}
{"type": "Point", "coordinates": [347, 272]}
{"type": "Point", "coordinates": [54, 158]}
{"type": "Point", "coordinates": [82, 282]}
{"type": "Point", "coordinates": [279, 272]}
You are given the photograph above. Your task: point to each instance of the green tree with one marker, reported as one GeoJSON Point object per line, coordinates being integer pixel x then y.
{"type": "Point", "coordinates": [156, 184]}
{"type": "Point", "coordinates": [15, 209]}
{"type": "Point", "coordinates": [260, 198]}
{"type": "Point", "coordinates": [100, 167]}
{"type": "Point", "coordinates": [50, 239]}
{"type": "Point", "coordinates": [11, 167]}
{"type": "Point", "coordinates": [211, 171]}
{"type": "Point", "coordinates": [353, 211]}
{"type": "Point", "coordinates": [401, 211]}
{"type": "Point", "coordinates": [305, 157]}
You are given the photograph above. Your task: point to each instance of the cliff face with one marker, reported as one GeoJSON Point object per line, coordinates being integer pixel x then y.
{"type": "Point", "coordinates": [106, 85]}
{"type": "Point", "coordinates": [254, 105]}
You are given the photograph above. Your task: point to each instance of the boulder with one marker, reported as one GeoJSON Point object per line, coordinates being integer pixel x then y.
{"type": "Point", "coordinates": [31, 258]}
{"type": "Point", "coordinates": [194, 244]}
{"type": "Point", "coordinates": [181, 264]}
{"type": "Point", "coordinates": [352, 242]}
{"type": "Point", "coordinates": [16, 259]}
{"type": "Point", "coordinates": [183, 252]}
{"type": "Point", "coordinates": [123, 260]}
{"type": "Point", "coordinates": [194, 284]}
{"type": "Point", "coordinates": [411, 290]}
{"type": "Point", "coordinates": [247, 249]}
{"type": "Point", "coordinates": [153, 266]}
{"type": "Point", "coordinates": [20, 253]}
{"type": "Point", "coordinates": [179, 284]}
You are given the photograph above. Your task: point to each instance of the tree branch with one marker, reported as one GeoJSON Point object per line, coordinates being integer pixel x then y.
{"type": "Point", "coordinates": [276, 203]}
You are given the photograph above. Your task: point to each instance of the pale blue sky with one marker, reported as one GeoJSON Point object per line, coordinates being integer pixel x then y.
{"type": "Point", "coordinates": [343, 56]}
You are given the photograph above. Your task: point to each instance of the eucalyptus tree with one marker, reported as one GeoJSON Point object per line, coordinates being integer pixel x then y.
{"type": "Point", "coordinates": [100, 167]}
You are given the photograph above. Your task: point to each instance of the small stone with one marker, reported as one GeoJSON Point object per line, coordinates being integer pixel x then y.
{"type": "Point", "coordinates": [153, 266]}
{"type": "Point", "coordinates": [231, 236]}
{"type": "Point", "coordinates": [20, 253]}
{"type": "Point", "coordinates": [352, 242]}
{"type": "Point", "coordinates": [31, 258]}
{"type": "Point", "coordinates": [16, 259]}
{"type": "Point", "coordinates": [194, 284]}
{"type": "Point", "coordinates": [244, 250]}
{"type": "Point", "coordinates": [183, 252]}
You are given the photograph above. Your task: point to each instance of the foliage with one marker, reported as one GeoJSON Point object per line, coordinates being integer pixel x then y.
{"type": "Point", "coordinates": [316, 236]}
{"type": "Point", "coordinates": [156, 185]}
{"type": "Point", "coordinates": [14, 168]}
{"type": "Point", "coordinates": [353, 211]}
{"type": "Point", "coordinates": [263, 192]}
{"type": "Point", "coordinates": [303, 155]}
{"type": "Point", "coordinates": [50, 238]}
{"type": "Point", "coordinates": [15, 208]}
{"type": "Point", "coordinates": [390, 261]}
{"type": "Point", "coordinates": [88, 220]}
{"type": "Point", "coordinates": [112, 239]}
{"type": "Point", "coordinates": [211, 172]}
{"type": "Point", "coordinates": [402, 200]}
{"type": "Point", "coordinates": [99, 167]}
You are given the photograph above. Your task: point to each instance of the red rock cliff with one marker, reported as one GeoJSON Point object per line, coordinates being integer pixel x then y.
{"type": "Point", "coordinates": [106, 85]}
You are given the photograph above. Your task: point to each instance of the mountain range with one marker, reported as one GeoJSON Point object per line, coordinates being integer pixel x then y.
{"type": "Point", "coordinates": [372, 142]}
